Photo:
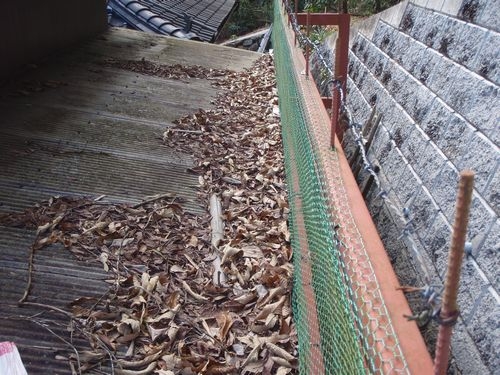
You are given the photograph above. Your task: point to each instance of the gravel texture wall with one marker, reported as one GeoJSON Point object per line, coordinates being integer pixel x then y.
{"type": "Point", "coordinates": [432, 70]}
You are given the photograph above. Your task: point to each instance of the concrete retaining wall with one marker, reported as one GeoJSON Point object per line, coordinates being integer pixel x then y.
{"type": "Point", "coordinates": [431, 68]}
{"type": "Point", "coordinates": [32, 29]}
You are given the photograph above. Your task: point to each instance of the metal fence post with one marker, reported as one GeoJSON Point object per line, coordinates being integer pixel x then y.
{"type": "Point", "coordinates": [449, 309]}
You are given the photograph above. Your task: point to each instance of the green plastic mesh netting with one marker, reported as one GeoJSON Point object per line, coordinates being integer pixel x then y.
{"type": "Point", "coordinates": [339, 341]}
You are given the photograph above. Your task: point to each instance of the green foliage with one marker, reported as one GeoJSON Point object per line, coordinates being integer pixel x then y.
{"type": "Point", "coordinates": [319, 34]}
{"type": "Point", "coordinates": [369, 7]}
{"type": "Point", "coordinates": [357, 7]}
{"type": "Point", "coordinates": [317, 6]}
{"type": "Point", "coordinates": [249, 16]}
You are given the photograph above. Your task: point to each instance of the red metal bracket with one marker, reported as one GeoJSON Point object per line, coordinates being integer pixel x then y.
{"type": "Point", "coordinates": [342, 20]}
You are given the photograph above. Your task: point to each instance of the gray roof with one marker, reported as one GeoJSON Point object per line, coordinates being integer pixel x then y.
{"type": "Point", "coordinates": [75, 126]}
{"type": "Point", "coordinates": [189, 19]}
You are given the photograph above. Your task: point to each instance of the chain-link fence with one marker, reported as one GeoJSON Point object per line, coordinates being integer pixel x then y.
{"type": "Point", "coordinates": [342, 322]}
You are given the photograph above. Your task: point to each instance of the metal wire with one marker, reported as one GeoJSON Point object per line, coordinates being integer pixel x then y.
{"type": "Point", "coordinates": [401, 216]}
{"type": "Point", "coordinates": [346, 294]}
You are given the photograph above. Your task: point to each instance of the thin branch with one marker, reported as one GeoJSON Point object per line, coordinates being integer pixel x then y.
{"type": "Point", "coordinates": [30, 273]}
{"type": "Point", "coordinates": [49, 307]}
{"type": "Point", "coordinates": [155, 198]}
{"type": "Point", "coordinates": [60, 338]}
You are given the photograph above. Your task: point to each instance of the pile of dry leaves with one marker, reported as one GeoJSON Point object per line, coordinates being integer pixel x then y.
{"type": "Point", "coordinates": [191, 294]}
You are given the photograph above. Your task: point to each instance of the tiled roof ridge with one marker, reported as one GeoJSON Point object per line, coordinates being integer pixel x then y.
{"type": "Point", "coordinates": [149, 20]}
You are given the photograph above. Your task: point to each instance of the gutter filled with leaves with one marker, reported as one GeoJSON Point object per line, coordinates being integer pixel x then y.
{"type": "Point", "coordinates": [178, 302]}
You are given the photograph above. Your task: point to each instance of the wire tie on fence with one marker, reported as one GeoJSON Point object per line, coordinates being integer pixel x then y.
{"type": "Point", "coordinates": [382, 194]}
{"type": "Point", "coordinates": [336, 83]}
{"type": "Point", "coordinates": [431, 299]}
{"type": "Point", "coordinates": [449, 320]}
{"type": "Point", "coordinates": [428, 292]}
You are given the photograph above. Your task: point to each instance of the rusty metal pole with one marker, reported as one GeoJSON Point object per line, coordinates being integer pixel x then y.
{"type": "Point", "coordinates": [449, 308]}
{"type": "Point", "coordinates": [340, 70]}
{"type": "Point", "coordinates": [296, 12]}
{"type": "Point", "coordinates": [286, 10]}
{"type": "Point", "coordinates": [308, 30]}
{"type": "Point", "coordinates": [335, 115]}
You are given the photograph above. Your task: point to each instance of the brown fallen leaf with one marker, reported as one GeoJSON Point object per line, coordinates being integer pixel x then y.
{"type": "Point", "coordinates": [193, 294]}
{"type": "Point", "coordinates": [141, 363]}
{"type": "Point", "coordinates": [146, 371]}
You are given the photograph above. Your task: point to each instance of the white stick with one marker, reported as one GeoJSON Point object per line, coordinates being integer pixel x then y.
{"type": "Point", "coordinates": [217, 225]}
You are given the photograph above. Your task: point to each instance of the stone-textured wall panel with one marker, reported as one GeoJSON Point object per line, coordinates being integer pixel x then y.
{"type": "Point", "coordinates": [465, 352]}
{"type": "Point", "coordinates": [487, 63]}
{"type": "Point", "coordinates": [455, 140]}
{"type": "Point", "coordinates": [358, 104]}
{"type": "Point", "coordinates": [474, 98]}
{"type": "Point", "coordinates": [383, 152]}
{"type": "Point", "coordinates": [436, 240]}
{"type": "Point", "coordinates": [467, 41]}
{"type": "Point", "coordinates": [372, 89]}
{"type": "Point", "coordinates": [381, 141]}
{"type": "Point", "coordinates": [434, 79]}
{"type": "Point", "coordinates": [431, 165]}
{"type": "Point", "coordinates": [480, 220]}
{"type": "Point", "coordinates": [407, 185]}
{"type": "Point", "coordinates": [488, 254]}
{"type": "Point", "coordinates": [481, 156]}
{"type": "Point", "coordinates": [481, 12]}
{"type": "Point", "coordinates": [470, 290]}
{"type": "Point", "coordinates": [423, 209]}
{"type": "Point", "coordinates": [444, 189]}
{"type": "Point", "coordinates": [424, 67]}
{"type": "Point", "coordinates": [393, 166]}
{"type": "Point", "coordinates": [436, 121]}
{"type": "Point", "coordinates": [382, 35]}
{"type": "Point", "coordinates": [412, 19]}
{"type": "Point", "coordinates": [372, 58]}
{"type": "Point", "coordinates": [492, 191]}
{"type": "Point", "coordinates": [398, 122]}
{"type": "Point", "coordinates": [455, 39]}
{"type": "Point", "coordinates": [442, 75]}
{"type": "Point", "coordinates": [487, 341]}
{"type": "Point", "coordinates": [434, 30]}
{"type": "Point", "coordinates": [414, 147]}
{"type": "Point", "coordinates": [359, 73]}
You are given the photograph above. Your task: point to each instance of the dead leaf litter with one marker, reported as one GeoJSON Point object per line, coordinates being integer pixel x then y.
{"type": "Point", "coordinates": [191, 294]}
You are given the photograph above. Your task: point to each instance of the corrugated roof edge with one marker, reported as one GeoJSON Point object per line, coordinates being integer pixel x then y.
{"type": "Point", "coordinates": [142, 18]}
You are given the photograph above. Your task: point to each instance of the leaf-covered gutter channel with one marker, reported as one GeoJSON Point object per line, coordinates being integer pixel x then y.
{"type": "Point", "coordinates": [165, 312]}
